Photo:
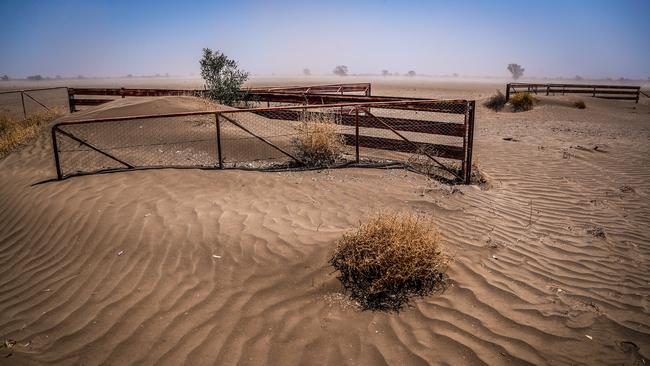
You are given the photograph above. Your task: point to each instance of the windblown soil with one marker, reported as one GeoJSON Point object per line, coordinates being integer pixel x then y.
{"type": "Point", "coordinates": [164, 267]}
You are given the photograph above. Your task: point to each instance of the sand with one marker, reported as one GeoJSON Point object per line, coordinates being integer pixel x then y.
{"type": "Point", "coordinates": [165, 267]}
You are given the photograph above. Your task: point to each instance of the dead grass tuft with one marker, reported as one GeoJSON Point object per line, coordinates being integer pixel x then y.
{"type": "Point", "coordinates": [580, 104]}
{"type": "Point", "coordinates": [389, 259]}
{"type": "Point", "coordinates": [318, 142]}
{"type": "Point", "coordinates": [522, 101]}
{"type": "Point", "coordinates": [496, 102]}
{"type": "Point", "coordinates": [15, 132]}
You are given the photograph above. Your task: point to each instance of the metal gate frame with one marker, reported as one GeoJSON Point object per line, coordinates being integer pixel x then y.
{"type": "Point", "coordinates": [403, 144]}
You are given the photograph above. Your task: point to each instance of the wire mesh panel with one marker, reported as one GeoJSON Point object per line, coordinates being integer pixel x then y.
{"type": "Point", "coordinates": [430, 139]}
{"type": "Point", "coordinates": [265, 137]}
{"type": "Point", "coordinates": [11, 104]}
{"type": "Point", "coordinates": [31, 101]}
{"type": "Point", "coordinates": [433, 137]}
{"type": "Point", "coordinates": [188, 141]}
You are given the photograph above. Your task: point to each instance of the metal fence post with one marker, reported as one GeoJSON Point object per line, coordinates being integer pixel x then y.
{"type": "Point", "coordinates": [470, 142]}
{"type": "Point", "coordinates": [55, 147]}
{"type": "Point", "coordinates": [356, 133]}
{"type": "Point", "coordinates": [71, 100]}
{"type": "Point", "coordinates": [22, 99]}
{"type": "Point", "coordinates": [218, 123]}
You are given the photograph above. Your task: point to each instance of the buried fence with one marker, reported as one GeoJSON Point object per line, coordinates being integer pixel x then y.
{"type": "Point", "coordinates": [432, 136]}
{"type": "Point", "coordinates": [622, 92]}
{"type": "Point", "coordinates": [294, 94]}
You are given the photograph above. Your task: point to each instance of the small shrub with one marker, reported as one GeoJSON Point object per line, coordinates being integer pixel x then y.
{"type": "Point", "coordinates": [580, 104]}
{"type": "Point", "coordinates": [522, 101]}
{"type": "Point", "coordinates": [15, 132]}
{"type": "Point", "coordinates": [318, 142]}
{"type": "Point", "coordinates": [390, 258]}
{"type": "Point", "coordinates": [496, 102]}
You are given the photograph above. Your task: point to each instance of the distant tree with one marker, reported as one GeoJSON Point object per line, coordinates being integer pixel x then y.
{"type": "Point", "coordinates": [578, 78]}
{"type": "Point", "coordinates": [166, 74]}
{"type": "Point", "coordinates": [80, 77]}
{"type": "Point", "coordinates": [6, 78]}
{"type": "Point", "coordinates": [306, 72]}
{"type": "Point", "coordinates": [35, 77]}
{"type": "Point", "coordinates": [516, 70]}
{"type": "Point", "coordinates": [129, 76]}
{"type": "Point", "coordinates": [223, 79]}
{"type": "Point", "coordinates": [58, 77]}
{"type": "Point", "coordinates": [411, 73]}
{"type": "Point", "coordinates": [455, 75]}
{"type": "Point", "coordinates": [341, 70]}
{"type": "Point", "coordinates": [384, 73]}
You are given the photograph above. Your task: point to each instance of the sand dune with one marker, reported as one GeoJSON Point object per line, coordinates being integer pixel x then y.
{"type": "Point", "coordinates": [166, 267]}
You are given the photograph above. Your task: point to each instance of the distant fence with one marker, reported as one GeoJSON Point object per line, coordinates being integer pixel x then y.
{"type": "Point", "coordinates": [25, 101]}
{"type": "Point", "coordinates": [329, 93]}
{"type": "Point", "coordinates": [434, 136]}
{"type": "Point", "coordinates": [621, 92]}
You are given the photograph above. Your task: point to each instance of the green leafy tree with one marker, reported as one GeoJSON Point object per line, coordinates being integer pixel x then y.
{"type": "Point", "coordinates": [223, 79]}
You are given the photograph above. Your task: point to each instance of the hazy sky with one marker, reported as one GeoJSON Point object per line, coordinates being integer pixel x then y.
{"type": "Point", "coordinates": [591, 38]}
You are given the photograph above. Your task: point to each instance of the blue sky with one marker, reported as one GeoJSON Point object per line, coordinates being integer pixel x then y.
{"type": "Point", "coordinates": [592, 38]}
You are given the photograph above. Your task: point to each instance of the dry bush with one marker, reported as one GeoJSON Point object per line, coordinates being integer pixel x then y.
{"type": "Point", "coordinates": [522, 101]}
{"type": "Point", "coordinates": [318, 142]}
{"type": "Point", "coordinates": [496, 102]}
{"type": "Point", "coordinates": [390, 258]}
{"type": "Point", "coordinates": [15, 132]}
{"type": "Point", "coordinates": [580, 104]}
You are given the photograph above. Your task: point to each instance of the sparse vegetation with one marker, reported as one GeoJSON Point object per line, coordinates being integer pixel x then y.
{"type": "Point", "coordinates": [516, 70]}
{"type": "Point", "coordinates": [341, 70]}
{"type": "Point", "coordinates": [384, 73]}
{"type": "Point", "coordinates": [318, 142]}
{"type": "Point", "coordinates": [306, 72]}
{"type": "Point", "coordinates": [389, 259]}
{"type": "Point", "coordinates": [580, 104]}
{"type": "Point", "coordinates": [411, 73]}
{"type": "Point", "coordinates": [223, 79]}
{"type": "Point", "coordinates": [522, 101]}
{"type": "Point", "coordinates": [35, 78]}
{"type": "Point", "coordinates": [496, 102]}
{"type": "Point", "coordinates": [15, 132]}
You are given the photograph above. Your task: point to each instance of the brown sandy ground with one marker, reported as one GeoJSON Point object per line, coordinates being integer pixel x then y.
{"type": "Point", "coordinates": [229, 267]}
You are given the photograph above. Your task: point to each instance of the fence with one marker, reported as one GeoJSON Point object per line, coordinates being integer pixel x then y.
{"type": "Point", "coordinates": [23, 102]}
{"type": "Point", "coordinates": [288, 94]}
{"type": "Point", "coordinates": [433, 136]}
{"type": "Point", "coordinates": [347, 88]}
{"type": "Point", "coordinates": [599, 91]}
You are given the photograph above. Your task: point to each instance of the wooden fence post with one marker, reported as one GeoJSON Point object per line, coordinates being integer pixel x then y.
{"type": "Point", "coordinates": [507, 92]}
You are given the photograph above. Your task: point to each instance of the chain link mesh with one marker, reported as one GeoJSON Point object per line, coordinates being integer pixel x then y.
{"type": "Point", "coordinates": [35, 101]}
{"type": "Point", "coordinates": [429, 138]}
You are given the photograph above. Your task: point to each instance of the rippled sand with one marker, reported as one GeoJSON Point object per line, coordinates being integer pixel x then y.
{"type": "Point", "coordinates": [165, 267]}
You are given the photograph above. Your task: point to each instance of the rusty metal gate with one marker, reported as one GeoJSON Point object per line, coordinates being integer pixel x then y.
{"type": "Point", "coordinates": [432, 136]}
